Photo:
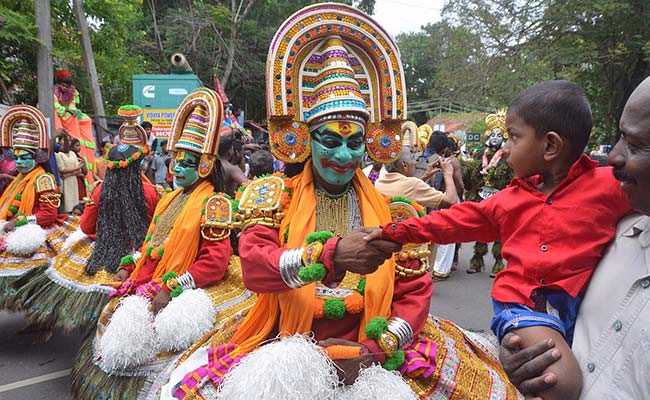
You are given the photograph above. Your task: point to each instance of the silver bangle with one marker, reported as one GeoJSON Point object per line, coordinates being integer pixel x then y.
{"type": "Point", "coordinates": [186, 281]}
{"type": "Point", "coordinates": [402, 330]}
{"type": "Point", "coordinates": [290, 264]}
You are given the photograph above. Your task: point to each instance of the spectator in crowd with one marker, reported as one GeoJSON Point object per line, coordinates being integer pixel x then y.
{"type": "Point", "coordinates": [75, 145]}
{"type": "Point", "coordinates": [69, 169]}
{"type": "Point", "coordinates": [159, 166]}
{"type": "Point", "coordinates": [7, 169]}
{"type": "Point", "coordinates": [261, 164]}
{"type": "Point", "coordinates": [230, 156]}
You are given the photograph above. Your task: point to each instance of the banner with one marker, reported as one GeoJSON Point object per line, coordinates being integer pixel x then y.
{"type": "Point", "coordinates": [161, 119]}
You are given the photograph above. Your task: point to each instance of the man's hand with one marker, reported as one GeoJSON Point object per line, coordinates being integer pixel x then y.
{"type": "Point", "coordinates": [160, 301]}
{"type": "Point", "coordinates": [372, 234]}
{"type": "Point", "coordinates": [9, 226]}
{"type": "Point", "coordinates": [121, 275]}
{"type": "Point", "coordinates": [348, 370]}
{"type": "Point", "coordinates": [357, 255]}
{"type": "Point", "coordinates": [447, 167]}
{"type": "Point", "coordinates": [525, 366]}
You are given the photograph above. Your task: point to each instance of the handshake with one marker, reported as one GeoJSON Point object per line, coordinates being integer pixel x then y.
{"type": "Point", "coordinates": [363, 251]}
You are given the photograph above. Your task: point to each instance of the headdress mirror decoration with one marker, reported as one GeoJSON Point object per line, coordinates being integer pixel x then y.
{"type": "Point", "coordinates": [24, 127]}
{"type": "Point", "coordinates": [130, 131]}
{"type": "Point", "coordinates": [331, 58]}
{"type": "Point", "coordinates": [196, 127]}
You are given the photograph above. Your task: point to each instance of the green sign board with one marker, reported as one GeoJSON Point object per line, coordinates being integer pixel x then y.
{"type": "Point", "coordinates": [161, 91]}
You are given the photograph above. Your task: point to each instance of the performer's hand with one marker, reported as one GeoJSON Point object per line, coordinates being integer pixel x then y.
{"type": "Point", "coordinates": [122, 275]}
{"type": "Point", "coordinates": [356, 255]}
{"type": "Point", "coordinates": [372, 234]}
{"type": "Point", "coordinates": [525, 366]}
{"type": "Point", "coordinates": [9, 226]}
{"type": "Point", "coordinates": [160, 301]}
{"type": "Point", "coordinates": [348, 369]}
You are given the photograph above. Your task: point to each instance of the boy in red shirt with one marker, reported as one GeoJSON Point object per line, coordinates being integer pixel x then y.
{"type": "Point", "coordinates": [555, 220]}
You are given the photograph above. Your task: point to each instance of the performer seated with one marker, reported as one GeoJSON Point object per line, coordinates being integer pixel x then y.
{"type": "Point", "coordinates": [29, 205]}
{"type": "Point", "coordinates": [71, 293]}
{"type": "Point", "coordinates": [171, 294]}
{"type": "Point", "coordinates": [357, 307]}
{"type": "Point", "coordinates": [555, 221]}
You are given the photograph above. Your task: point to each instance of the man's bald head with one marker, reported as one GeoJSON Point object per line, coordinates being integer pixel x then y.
{"type": "Point", "coordinates": [631, 155]}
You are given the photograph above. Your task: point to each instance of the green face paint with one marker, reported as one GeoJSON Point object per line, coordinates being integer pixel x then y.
{"type": "Point", "coordinates": [24, 161]}
{"type": "Point", "coordinates": [186, 169]}
{"type": "Point", "coordinates": [337, 150]}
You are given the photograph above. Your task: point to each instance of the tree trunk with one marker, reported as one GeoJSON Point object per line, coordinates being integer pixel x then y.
{"type": "Point", "coordinates": [89, 62]}
{"type": "Point", "coordinates": [44, 60]}
{"type": "Point", "coordinates": [231, 56]}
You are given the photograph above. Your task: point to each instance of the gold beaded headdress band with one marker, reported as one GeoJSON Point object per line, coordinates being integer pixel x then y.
{"type": "Point", "coordinates": [24, 127]}
{"type": "Point", "coordinates": [196, 128]}
{"type": "Point", "coordinates": [331, 58]}
{"type": "Point", "coordinates": [496, 121]}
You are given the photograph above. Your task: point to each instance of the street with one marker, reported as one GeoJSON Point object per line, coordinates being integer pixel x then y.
{"type": "Point", "coordinates": [40, 371]}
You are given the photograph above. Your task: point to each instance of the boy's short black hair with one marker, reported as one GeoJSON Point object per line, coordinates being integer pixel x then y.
{"type": "Point", "coordinates": [559, 106]}
{"type": "Point", "coordinates": [146, 124]}
{"type": "Point", "coordinates": [438, 142]}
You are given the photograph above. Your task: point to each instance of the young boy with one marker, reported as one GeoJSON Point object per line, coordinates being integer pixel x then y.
{"type": "Point", "coordinates": [555, 220]}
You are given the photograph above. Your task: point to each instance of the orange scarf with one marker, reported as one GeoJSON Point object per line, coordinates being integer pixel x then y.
{"type": "Point", "coordinates": [294, 307]}
{"type": "Point", "coordinates": [25, 186]}
{"type": "Point", "coordinates": [182, 244]}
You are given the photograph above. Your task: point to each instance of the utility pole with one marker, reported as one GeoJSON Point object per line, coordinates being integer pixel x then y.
{"type": "Point", "coordinates": [44, 59]}
{"type": "Point", "coordinates": [89, 62]}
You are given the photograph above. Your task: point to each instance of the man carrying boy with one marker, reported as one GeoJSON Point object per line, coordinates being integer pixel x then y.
{"type": "Point", "coordinates": [612, 340]}
{"type": "Point", "coordinates": [555, 221]}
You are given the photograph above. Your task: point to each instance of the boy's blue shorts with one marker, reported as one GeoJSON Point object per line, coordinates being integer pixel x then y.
{"type": "Point", "coordinates": [554, 309]}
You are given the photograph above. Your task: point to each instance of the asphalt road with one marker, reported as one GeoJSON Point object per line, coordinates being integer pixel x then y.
{"type": "Point", "coordinates": [31, 371]}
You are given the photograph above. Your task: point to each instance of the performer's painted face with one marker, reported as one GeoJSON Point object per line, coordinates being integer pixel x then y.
{"type": "Point", "coordinates": [495, 140]}
{"type": "Point", "coordinates": [337, 149]}
{"type": "Point", "coordinates": [186, 169]}
{"type": "Point", "coordinates": [25, 161]}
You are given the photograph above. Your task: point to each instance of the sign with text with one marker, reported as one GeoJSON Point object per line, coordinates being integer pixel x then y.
{"type": "Point", "coordinates": [161, 119]}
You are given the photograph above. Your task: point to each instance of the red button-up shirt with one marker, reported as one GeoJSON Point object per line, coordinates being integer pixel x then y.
{"type": "Point", "coordinates": [553, 241]}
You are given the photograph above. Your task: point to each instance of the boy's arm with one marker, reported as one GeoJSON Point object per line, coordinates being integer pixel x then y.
{"type": "Point", "coordinates": [464, 222]}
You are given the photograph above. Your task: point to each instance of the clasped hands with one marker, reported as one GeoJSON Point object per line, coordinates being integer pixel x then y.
{"type": "Point", "coordinates": [362, 252]}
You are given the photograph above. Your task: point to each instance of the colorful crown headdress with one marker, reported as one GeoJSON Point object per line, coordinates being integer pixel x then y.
{"type": "Point", "coordinates": [496, 121]}
{"type": "Point", "coordinates": [196, 127]}
{"type": "Point", "coordinates": [332, 60]}
{"type": "Point", "coordinates": [130, 131]}
{"type": "Point", "coordinates": [24, 127]}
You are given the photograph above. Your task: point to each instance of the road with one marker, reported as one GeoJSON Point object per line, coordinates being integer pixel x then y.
{"type": "Point", "coordinates": [40, 371]}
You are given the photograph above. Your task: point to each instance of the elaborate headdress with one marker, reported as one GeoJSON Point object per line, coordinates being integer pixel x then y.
{"type": "Point", "coordinates": [424, 133]}
{"type": "Point", "coordinates": [61, 74]}
{"type": "Point", "coordinates": [196, 127]}
{"type": "Point", "coordinates": [131, 132]}
{"type": "Point", "coordinates": [332, 61]}
{"type": "Point", "coordinates": [24, 127]}
{"type": "Point", "coordinates": [496, 121]}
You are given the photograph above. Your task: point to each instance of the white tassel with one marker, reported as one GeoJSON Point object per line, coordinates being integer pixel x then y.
{"type": "Point", "coordinates": [289, 369]}
{"type": "Point", "coordinates": [2, 225]}
{"type": "Point", "coordinates": [129, 339]}
{"type": "Point", "coordinates": [76, 236]}
{"type": "Point", "coordinates": [377, 383]}
{"type": "Point", "coordinates": [184, 320]}
{"type": "Point", "coordinates": [26, 240]}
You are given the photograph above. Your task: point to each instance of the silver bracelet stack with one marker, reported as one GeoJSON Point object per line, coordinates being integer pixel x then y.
{"type": "Point", "coordinates": [186, 281]}
{"type": "Point", "coordinates": [402, 330]}
{"type": "Point", "coordinates": [290, 264]}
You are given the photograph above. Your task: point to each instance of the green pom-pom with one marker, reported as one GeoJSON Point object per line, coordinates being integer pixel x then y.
{"type": "Point", "coordinates": [19, 197]}
{"type": "Point", "coordinates": [234, 205]}
{"type": "Point", "coordinates": [21, 222]}
{"type": "Point", "coordinates": [13, 209]}
{"type": "Point", "coordinates": [176, 292]}
{"type": "Point", "coordinates": [161, 251]}
{"type": "Point", "coordinates": [334, 309]}
{"type": "Point", "coordinates": [320, 236]}
{"type": "Point", "coordinates": [149, 251]}
{"type": "Point", "coordinates": [148, 237]}
{"type": "Point", "coordinates": [156, 219]}
{"type": "Point", "coordinates": [169, 275]}
{"type": "Point", "coordinates": [286, 235]}
{"type": "Point", "coordinates": [361, 287]}
{"type": "Point", "coordinates": [422, 213]}
{"type": "Point", "coordinates": [376, 327]}
{"type": "Point", "coordinates": [130, 107]}
{"type": "Point", "coordinates": [395, 361]}
{"type": "Point", "coordinates": [402, 199]}
{"type": "Point", "coordinates": [311, 273]}
{"type": "Point", "coordinates": [127, 260]}
{"type": "Point", "coordinates": [116, 164]}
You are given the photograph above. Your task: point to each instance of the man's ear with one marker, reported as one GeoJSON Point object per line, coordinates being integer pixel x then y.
{"type": "Point", "coordinates": [554, 145]}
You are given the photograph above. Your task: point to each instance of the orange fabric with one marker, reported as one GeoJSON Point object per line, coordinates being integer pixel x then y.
{"type": "Point", "coordinates": [342, 352]}
{"type": "Point", "coordinates": [295, 308]}
{"type": "Point", "coordinates": [182, 244]}
{"type": "Point", "coordinates": [25, 185]}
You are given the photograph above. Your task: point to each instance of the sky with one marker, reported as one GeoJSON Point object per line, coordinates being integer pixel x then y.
{"type": "Point", "coordinates": [397, 16]}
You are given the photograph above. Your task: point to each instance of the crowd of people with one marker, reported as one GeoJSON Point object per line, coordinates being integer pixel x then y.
{"type": "Point", "coordinates": [207, 265]}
